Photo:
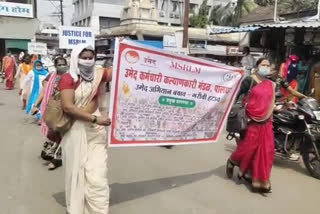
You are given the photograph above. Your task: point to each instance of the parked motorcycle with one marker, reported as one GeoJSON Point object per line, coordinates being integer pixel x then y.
{"type": "Point", "coordinates": [297, 130]}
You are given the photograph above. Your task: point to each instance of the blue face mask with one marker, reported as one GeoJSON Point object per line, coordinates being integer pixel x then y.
{"type": "Point", "coordinates": [264, 71]}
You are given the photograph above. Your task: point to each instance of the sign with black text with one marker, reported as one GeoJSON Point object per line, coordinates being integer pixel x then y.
{"type": "Point", "coordinates": [70, 36]}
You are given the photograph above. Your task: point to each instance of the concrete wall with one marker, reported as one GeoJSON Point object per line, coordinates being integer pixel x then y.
{"type": "Point", "coordinates": [109, 22]}
{"type": "Point", "coordinates": [109, 11]}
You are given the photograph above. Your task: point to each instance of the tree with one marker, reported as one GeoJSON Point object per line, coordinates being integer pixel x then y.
{"type": "Point", "coordinates": [284, 6]}
{"type": "Point", "coordinates": [290, 6]}
{"type": "Point", "coordinates": [222, 15]}
{"type": "Point", "coordinates": [229, 14]}
{"type": "Point", "coordinates": [201, 19]}
{"type": "Point", "coordinates": [293, 6]}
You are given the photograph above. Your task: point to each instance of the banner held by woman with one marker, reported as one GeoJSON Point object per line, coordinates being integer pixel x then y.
{"type": "Point", "coordinates": [160, 98]}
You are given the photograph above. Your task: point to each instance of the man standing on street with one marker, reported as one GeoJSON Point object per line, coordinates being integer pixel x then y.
{"type": "Point", "coordinates": [247, 61]}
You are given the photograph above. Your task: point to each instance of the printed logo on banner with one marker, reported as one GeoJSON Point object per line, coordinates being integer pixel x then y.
{"type": "Point", "coordinates": [132, 57]}
{"type": "Point", "coordinates": [229, 76]}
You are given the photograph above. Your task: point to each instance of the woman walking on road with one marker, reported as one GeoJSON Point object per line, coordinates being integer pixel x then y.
{"type": "Point", "coordinates": [84, 146]}
{"type": "Point", "coordinates": [34, 81]}
{"type": "Point", "coordinates": [51, 148]}
{"type": "Point", "coordinates": [255, 150]}
{"type": "Point", "coordinates": [9, 68]}
{"type": "Point", "coordinates": [24, 68]}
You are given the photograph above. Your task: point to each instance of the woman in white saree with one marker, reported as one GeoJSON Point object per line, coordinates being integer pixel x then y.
{"type": "Point", "coordinates": [84, 146]}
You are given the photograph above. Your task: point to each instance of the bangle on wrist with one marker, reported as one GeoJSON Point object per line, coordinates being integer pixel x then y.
{"type": "Point", "coordinates": [95, 119]}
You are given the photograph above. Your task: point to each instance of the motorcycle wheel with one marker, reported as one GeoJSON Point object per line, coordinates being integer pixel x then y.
{"type": "Point", "coordinates": [311, 161]}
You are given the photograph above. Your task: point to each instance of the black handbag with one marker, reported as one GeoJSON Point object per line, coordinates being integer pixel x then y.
{"type": "Point", "coordinates": [237, 121]}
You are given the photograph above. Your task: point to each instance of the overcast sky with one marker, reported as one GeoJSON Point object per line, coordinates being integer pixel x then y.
{"type": "Point", "coordinates": [46, 8]}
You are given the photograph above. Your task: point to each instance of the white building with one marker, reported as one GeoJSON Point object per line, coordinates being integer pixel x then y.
{"type": "Point", "coordinates": [102, 14]}
{"type": "Point", "coordinates": [97, 13]}
{"type": "Point", "coordinates": [171, 11]}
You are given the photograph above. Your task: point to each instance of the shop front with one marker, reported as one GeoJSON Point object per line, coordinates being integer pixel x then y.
{"type": "Point", "coordinates": [18, 25]}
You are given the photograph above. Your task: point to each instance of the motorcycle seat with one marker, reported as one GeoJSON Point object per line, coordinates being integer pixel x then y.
{"type": "Point", "coordinates": [285, 131]}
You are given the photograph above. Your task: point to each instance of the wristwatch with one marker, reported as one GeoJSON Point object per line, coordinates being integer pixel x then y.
{"type": "Point", "coordinates": [95, 119]}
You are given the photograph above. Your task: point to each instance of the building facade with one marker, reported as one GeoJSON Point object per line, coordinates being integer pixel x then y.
{"type": "Point", "coordinates": [97, 14]}
{"type": "Point", "coordinates": [103, 14]}
{"type": "Point", "coordinates": [171, 11]}
{"type": "Point", "coordinates": [18, 24]}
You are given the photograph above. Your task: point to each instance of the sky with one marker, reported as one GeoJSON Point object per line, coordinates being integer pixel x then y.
{"type": "Point", "coordinates": [46, 8]}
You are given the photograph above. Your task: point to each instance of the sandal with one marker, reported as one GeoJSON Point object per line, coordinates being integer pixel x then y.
{"type": "Point", "coordinates": [54, 163]}
{"type": "Point", "coordinates": [260, 189]}
{"type": "Point", "coordinates": [229, 168]}
{"type": "Point", "coordinates": [247, 178]}
{"type": "Point", "coordinates": [266, 190]}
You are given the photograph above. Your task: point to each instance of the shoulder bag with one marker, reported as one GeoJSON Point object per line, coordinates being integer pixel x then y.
{"type": "Point", "coordinates": [238, 120]}
{"type": "Point", "coordinates": [54, 116]}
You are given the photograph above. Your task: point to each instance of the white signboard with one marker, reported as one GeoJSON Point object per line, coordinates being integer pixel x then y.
{"type": "Point", "coordinates": [37, 48]}
{"type": "Point", "coordinates": [15, 9]}
{"type": "Point", "coordinates": [169, 41]}
{"type": "Point", "coordinates": [70, 36]}
{"type": "Point", "coordinates": [173, 43]}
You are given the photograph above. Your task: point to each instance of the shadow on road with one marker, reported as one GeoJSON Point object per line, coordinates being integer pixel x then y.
{"type": "Point", "coordinates": [220, 172]}
{"type": "Point", "coordinates": [60, 198]}
{"type": "Point", "coordinates": [230, 147]}
{"type": "Point", "coordinates": [296, 166]}
{"type": "Point", "coordinates": [130, 191]}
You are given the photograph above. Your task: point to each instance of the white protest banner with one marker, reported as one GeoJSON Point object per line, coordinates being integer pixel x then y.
{"type": "Point", "coordinates": [16, 9]}
{"type": "Point", "coordinates": [70, 36]}
{"type": "Point", "coordinates": [160, 98]}
{"type": "Point", "coordinates": [37, 48]}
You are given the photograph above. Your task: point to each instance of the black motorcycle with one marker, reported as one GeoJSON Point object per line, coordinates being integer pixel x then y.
{"type": "Point", "coordinates": [297, 130]}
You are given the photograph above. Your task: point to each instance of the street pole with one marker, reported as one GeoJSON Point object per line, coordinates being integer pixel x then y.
{"type": "Point", "coordinates": [275, 19]}
{"type": "Point", "coordinates": [186, 23]}
{"type": "Point", "coordinates": [318, 15]}
{"type": "Point", "coordinates": [35, 9]}
{"type": "Point", "coordinates": [61, 12]}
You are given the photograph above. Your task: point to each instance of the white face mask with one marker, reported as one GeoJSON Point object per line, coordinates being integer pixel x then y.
{"type": "Point", "coordinates": [86, 62]}
{"type": "Point", "coordinates": [86, 68]}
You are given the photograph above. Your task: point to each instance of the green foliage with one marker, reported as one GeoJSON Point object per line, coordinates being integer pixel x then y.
{"type": "Point", "coordinates": [222, 15]}
{"type": "Point", "coordinates": [201, 19]}
{"type": "Point", "coordinates": [229, 15]}
{"type": "Point", "coordinates": [293, 6]}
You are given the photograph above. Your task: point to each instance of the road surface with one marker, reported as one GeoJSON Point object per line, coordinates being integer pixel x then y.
{"type": "Point", "coordinates": [184, 180]}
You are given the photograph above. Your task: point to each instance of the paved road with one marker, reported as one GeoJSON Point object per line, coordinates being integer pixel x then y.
{"type": "Point", "coordinates": [184, 180]}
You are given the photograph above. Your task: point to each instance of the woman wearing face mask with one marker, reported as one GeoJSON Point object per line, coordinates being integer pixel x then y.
{"type": "Point", "coordinates": [255, 151]}
{"type": "Point", "coordinates": [24, 68]}
{"type": "Point", "coordinates": [34, 81]}
{"type": "Point", "coordinates": [50, 85]}
{"type": "Point", "coordinates": [289, 73]}
{"type": "Point", "coordinates": [283, 85]}
{"type": "Point", "coordinates": [84, 146]}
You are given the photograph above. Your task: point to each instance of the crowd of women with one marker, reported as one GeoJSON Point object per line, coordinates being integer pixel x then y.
{"type": "Point", "coordinates": [81, 88]}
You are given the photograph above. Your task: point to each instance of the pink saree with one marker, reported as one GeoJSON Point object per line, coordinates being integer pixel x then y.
{"type": "Point", "coordinates": [48, 91]}
{"type": "Point", "coordinates": [255, 153]}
